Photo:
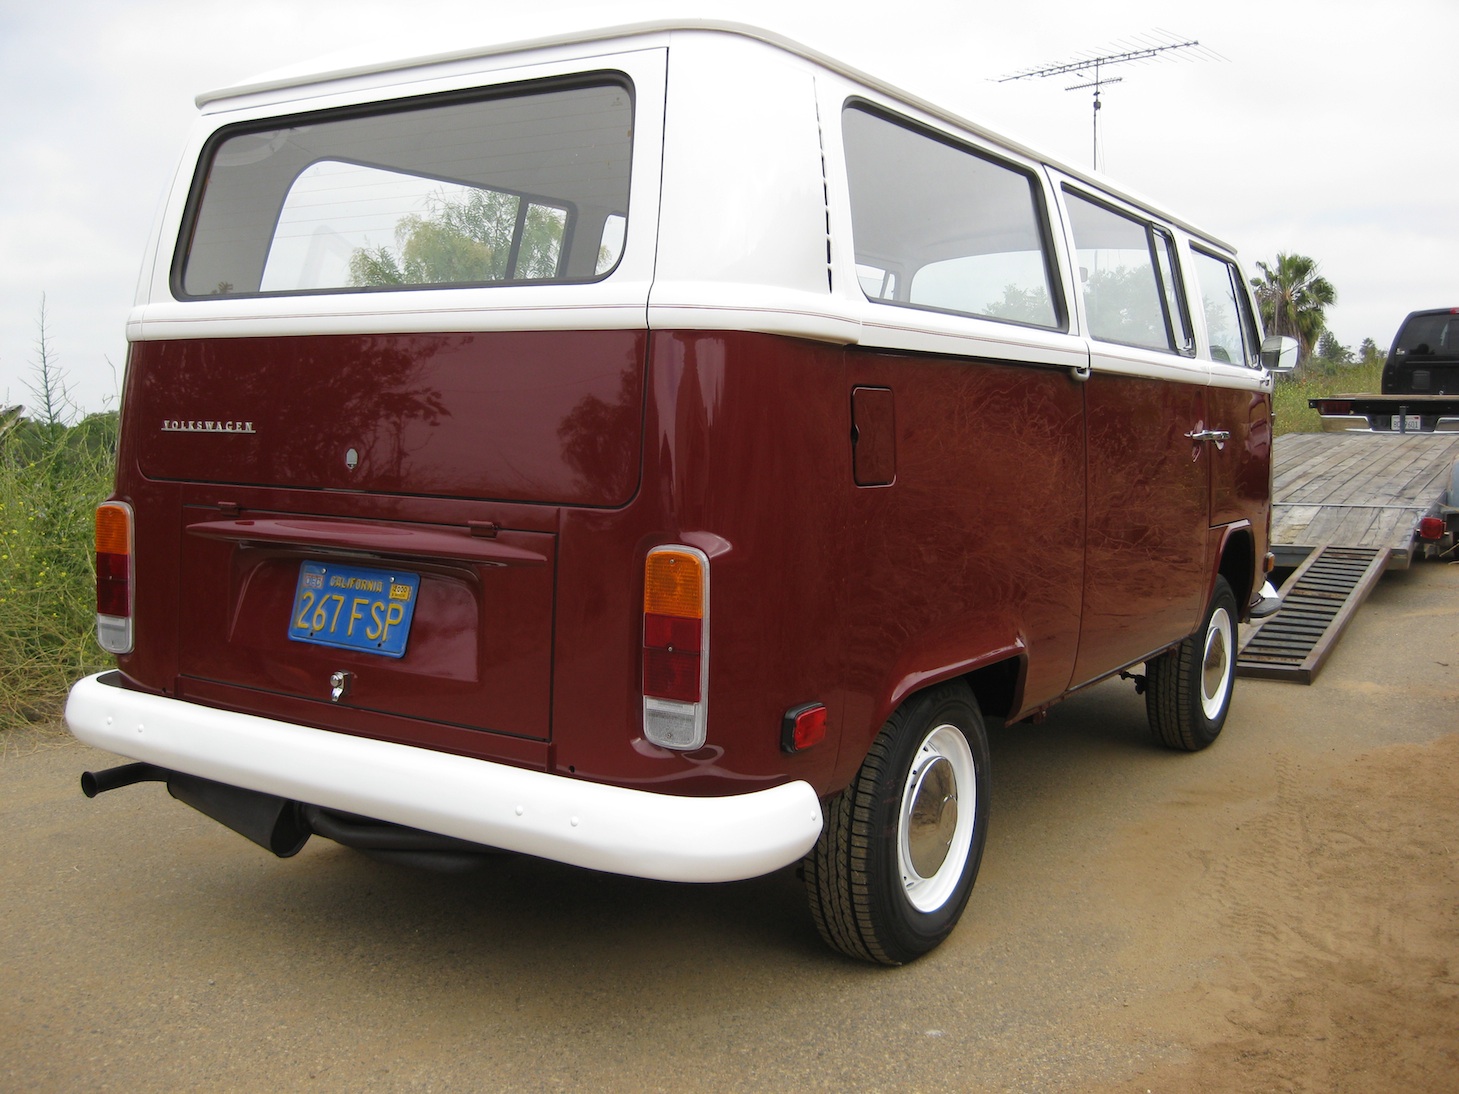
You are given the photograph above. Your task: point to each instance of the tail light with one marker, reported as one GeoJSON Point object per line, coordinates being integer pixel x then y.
{"type": "Point", "coordinates": [114, 592]}
{"type": "Point", "coordinates": [675, 646]}
{"type": "Point", "coordinates": [1431, 528]}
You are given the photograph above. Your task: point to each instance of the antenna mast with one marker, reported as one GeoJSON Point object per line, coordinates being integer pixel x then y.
{"type": "Point", "coordinates": [1144, 50]}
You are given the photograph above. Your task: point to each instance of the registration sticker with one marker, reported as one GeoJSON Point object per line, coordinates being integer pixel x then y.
{"type": "Point", "coordinates": [353, 608]}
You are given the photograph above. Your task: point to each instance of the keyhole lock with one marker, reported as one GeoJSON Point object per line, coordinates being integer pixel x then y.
{"type": "Point", "coordinates": [339, 685]}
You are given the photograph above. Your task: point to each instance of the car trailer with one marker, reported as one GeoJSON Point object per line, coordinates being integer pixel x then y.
{"type": "Point", "coordinates": [1346, 508]}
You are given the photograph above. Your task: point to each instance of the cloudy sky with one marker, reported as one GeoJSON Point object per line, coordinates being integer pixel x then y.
{"type": "Point", "coordinates": [1325, 127]}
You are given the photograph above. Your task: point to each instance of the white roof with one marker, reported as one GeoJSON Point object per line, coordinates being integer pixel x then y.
{"type": "Point", "coordinates": [278, 84]}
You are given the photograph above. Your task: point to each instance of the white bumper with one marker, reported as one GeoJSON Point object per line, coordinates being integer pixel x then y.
{"type": "Point", "coordinates": [610, 828]}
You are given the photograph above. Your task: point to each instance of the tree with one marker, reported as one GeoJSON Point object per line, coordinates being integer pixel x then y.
{"type": "Point", "coordinates": [1123, 306]}
{"type": "Point", "coordinates": [1292, 297]}
{"type": "Point", "coordinates": [1022, 305]}
{"type": "Point", "coordinates": [1331, 353]}
{"type": "Point", "coordinates": [1370, 354]}
{"type": "Point", "coordinates": [54, 406]}
{"type": "Point", "coordinates": [467, 239]}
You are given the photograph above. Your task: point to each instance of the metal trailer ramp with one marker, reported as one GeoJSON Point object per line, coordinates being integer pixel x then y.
{"type": "Point", "coordinates": [1318, 601]}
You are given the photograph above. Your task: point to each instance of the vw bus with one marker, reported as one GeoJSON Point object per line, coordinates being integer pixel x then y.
{"type": "Point", "coordinates": [659, 450]}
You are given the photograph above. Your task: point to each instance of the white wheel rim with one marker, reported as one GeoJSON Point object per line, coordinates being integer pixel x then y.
{"type": "Point", "coordinates": [935, 823]}
{"type": "Point", "coordinates": [1216, 665]}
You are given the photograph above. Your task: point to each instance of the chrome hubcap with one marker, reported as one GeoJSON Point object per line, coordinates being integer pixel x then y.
{"type": "Point", "coordinates": [935, 826]}
{"type": "Point", "coordinates": [1216, 668]}
{"type": "Point", "coordinates": [933, 821]}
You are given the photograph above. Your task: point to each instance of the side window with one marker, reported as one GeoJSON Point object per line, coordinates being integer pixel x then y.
{"type": "Point", "coordinates": [1128, 273]}
{"type": "Point", "coordinates": [1168, 267]}
{"type": "Point", "coordinates": [938, 225]}
{"type": "Point", "coordinates": [1229, 324]}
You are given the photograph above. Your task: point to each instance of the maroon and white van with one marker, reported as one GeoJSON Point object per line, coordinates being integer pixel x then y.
{"type": "Point", "coordinates": [659, 450]}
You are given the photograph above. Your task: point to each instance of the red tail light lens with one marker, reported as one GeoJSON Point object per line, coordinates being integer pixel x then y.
{"type": "Point", "coordinates": [1431, 528]}
{"type": "Point", "coordinates": [672, 657]}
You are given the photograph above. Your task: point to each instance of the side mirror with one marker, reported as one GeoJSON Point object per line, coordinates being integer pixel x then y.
{"type": "Point", "coordinates": [1279, 353]}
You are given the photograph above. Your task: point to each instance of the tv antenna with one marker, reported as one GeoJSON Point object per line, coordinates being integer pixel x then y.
{"type": "Point", "coordinates": [1142, 49]}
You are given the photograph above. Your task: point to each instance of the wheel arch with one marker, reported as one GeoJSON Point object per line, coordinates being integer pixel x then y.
{"type": "Point", "coordinates": [995, 679]}
{"type": "Point", "coordinates": [1237, 564]}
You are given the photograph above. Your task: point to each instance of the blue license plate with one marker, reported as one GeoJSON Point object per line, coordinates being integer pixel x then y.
{"type": "Point", "coordinates": [353, 608]}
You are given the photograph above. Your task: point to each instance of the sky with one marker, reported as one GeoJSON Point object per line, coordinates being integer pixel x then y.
{"type": "Point", "coordinates": [1317, 128]}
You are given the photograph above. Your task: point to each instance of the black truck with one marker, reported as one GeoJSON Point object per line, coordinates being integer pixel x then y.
{"type": "Point", "coordinates": [1420, 382]}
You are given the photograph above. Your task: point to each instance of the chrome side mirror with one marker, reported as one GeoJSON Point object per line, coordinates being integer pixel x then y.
{"type": "Point", "coordinates": [1279, 353]}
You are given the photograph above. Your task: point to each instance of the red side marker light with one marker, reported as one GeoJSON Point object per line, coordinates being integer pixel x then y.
{"type": "Point", "coordinates": [1431, 528]}
{"type": "Point", "coordinates": [802, 727]}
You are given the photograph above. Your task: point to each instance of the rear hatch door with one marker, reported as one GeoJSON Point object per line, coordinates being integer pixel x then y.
{"type": "Point", "coordinates": [367, 524]}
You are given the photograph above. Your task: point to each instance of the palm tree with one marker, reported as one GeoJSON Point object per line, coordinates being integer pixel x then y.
{"type": "Point", "coordinates": [1292, 296]}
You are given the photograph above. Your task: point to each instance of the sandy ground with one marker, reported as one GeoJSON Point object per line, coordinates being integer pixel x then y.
{"type": "Point", "coordinates": [1279, 913]}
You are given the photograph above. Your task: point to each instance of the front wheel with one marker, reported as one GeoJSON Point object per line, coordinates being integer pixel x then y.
{"type": "Point", "coordinates": [1188, 689]}
{"type": "Point", "coordinates": [898, 854]}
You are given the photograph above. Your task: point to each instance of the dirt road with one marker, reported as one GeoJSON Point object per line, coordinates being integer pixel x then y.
{"type": "Point", "coordinates": [1280, 912]}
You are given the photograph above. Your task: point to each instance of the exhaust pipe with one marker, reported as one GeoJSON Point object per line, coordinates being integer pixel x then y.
{"type": "Point", "coordinates": [283, 826]}
{"type": "Point", "coordinates": [99, 782]}
{"type": "Point", "coordinates": [275, 824]}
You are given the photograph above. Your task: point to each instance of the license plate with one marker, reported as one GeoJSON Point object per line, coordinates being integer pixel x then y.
{"type": "Point", "coordinates": [353, 608]}
{"type": "Point", "coordinates": [1408, 423]}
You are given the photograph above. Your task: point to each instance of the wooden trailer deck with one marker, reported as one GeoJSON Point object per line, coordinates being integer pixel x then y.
{"type": "Point", "coordinates": [1345, 508]}
{"type": "Point", "coordinates": [1356, 490]}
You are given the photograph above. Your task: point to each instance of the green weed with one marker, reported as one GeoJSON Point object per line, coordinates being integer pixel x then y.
{"type": "Point", "coordinates": [1289, 402]}
{"type": "Point", "coordinates": [51, 478]}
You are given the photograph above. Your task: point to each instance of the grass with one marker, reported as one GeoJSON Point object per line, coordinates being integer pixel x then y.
{"type": "Point", "coordinates": [50, 481]}
{"type": "Point", "coordinates": [1290, 411]}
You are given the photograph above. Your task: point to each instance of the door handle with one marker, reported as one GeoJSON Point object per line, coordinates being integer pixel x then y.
{"type": "Point", "coordinates": [1220, 436]}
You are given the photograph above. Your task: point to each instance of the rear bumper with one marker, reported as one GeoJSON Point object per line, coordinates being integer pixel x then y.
{"type": "Point", "coordinates": [1359, 423]}
{"type": "Point", "coordinates": [609, 828]}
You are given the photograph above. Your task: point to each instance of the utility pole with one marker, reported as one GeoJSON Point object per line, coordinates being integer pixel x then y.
{"type": "Point", "coordinates": [1148, 49]}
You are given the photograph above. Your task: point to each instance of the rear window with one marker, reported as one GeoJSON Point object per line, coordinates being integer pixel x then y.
{"type": "Point", "coordinates": [515, 188]}
{"type": "Point", "coordinates": [1435, 334]}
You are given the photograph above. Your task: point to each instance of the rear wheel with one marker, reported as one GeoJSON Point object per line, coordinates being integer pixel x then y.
{"type": "Point", "coordinates": [1188, 689]}
{"type": "Point", "coordinates": [898, 854]}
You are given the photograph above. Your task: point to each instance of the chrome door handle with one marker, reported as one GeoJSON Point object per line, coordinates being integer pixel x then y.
{"type": "Point", "coordinates": [1220, 436]}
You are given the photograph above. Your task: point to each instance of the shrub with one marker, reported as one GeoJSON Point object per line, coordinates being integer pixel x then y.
{"type": "Point", "coordinates": [1289, 401]}
{"type": "Point", "coordinates": [51, 478]}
